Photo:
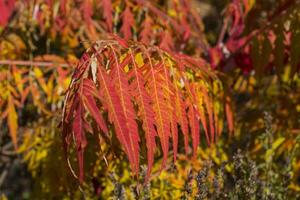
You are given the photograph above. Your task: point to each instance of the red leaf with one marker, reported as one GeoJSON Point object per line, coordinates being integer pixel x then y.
{"type": "Point", "coordinates": [229, 115]}
{"type": "Point", "coordinates": [91, 106]}
{"type": "Point", "coordinates": [156, 86]}
{"type": "Point", "coordinates": [186, 28]}
{"type": "Point", "coordinates": [112, 103]}
{"type": "Point", "coordinates": [63, 7]}
{"type": "Point", "coordinates": [166, 43]}
{"type": "Point", "coordinates": [168, 89]}
{"type": "Point", "coordinates": [199, 110]}
{"type": "Point", "coordinates": [194, 125]}
{"type": "Point", "coordinates": [123, 90]}
{"type": "Point", "coordinates": [181, 116]}
{"type": "Point", "coordinates": [146, 113]}
{"type": "Point", "coordinates": [128, 23]}
{"type": "Point", "coordinates": [209, 108]}
{"type": "Point", "coordinates": [6, 9]}
{"type": "Point", "coordinates": [107, 12]}
{"type": "Point", "coordinates": [216, 57]}
{"type": "Point", "coordinates": [87, 9]}
{"type": "Point", "coordinates": [79, 138]}
{"type": "Point", "coordinates": [145, 35]}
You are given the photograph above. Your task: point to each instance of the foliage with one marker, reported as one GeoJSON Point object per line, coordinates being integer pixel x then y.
{"type": "Point", "coordinates": [244, 55]}
{"type": "Point", "coordinates": [41, 150]}
{"type": "Point", "coordinates": [272, 46]}
{"type": "Point", "coordinates": [21, 86]}
{"type": "Point", "coordinates": [70, 22]}
{"type": "Point", "coordinates": [146, 83]}
{"type": "Point", "coordinates": [213, 175]}
{"type": "Point", "coordinates": [53, 33]}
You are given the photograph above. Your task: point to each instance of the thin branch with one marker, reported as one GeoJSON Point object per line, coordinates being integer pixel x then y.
{"type": "Point", "coordinates": [3, 176]}
{"type": "Point", "coordinates": [8, 153]}
{"type": "Point", "coordinates": [33, 63]}
{"type": "Point", "coordinates": [223, 31]}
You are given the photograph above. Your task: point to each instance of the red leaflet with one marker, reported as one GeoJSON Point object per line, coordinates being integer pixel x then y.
{"type": "Point", "coordinates": [181, 116]}
{"type": "Point", "coordinates": [229, 115]}
{"type": "Point", "coordinates": [194, 125]}
{"type": "Point", "coordinates": [49, 3]}
{"type": "Point", "coordinates": [186, 28]}
{"type": "Point", "coordinates": [63, 7]}
{"type": "Point", "coordinates": [166, 42]}
{"type": "Point", "coordinates": [24, 94]}
{"type": "Point", "coordinates": [216, 56]}
{"type": "Point", "coordinates": [156, 86]}
{"type": "Point", "coordinates": [244, 61]}
{"type": "Point", "coordinates": [112, 103]}
{"type": "Point", "coordinates": [173, 123]}
{"type": "Point", "coordinates": [171, 115]}
{"type": "Point", "coordinates": [87, 9]}
{"type": "Point", "coordinates": [199, 110]}
{"type": "Point", "coordinates": [6, 9]}
{"type": "Point", "coordinates": [146, 114]}
{"type": "Point", "coordinates": [89, 88]}
{"type": "Point", "coordinates": [121, 41]}
{"type": "Point", "coordinates": [87, 126]}
{"type": "Point", "coordinates": [79, 138]}
{"type": "Point", "coordinates": [90, 104]}
{"type": "Point", "coordinates": [145, 35]}
{"type": "Point", "coordinates": [128, 23]}
{"type": "Point", "coordinates": [209, 108]}
{"type": "Point", "coordinates": [237, 15]}
{"type": "Point", "coordinates": [107, 12]}
{"type": "Point", "coordinates": [123, 90]}
{"type": "Point", "coordinates": [174, 131]}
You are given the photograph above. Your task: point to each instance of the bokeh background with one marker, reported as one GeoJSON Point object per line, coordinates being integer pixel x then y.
{"type": "Point", "coordinates": [253, 45]}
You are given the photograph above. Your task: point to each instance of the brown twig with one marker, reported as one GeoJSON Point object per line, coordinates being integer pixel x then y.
{"type": "Point", "coordinates": [33, 63]}
{"type": "Point", "coordinates": [3, 176]}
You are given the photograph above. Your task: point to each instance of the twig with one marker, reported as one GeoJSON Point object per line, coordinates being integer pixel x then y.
{"type": "Point", "coordinates": [223, 31]}
{"type": "Point", "coordinates": [8, 153]}
{"type": "Point", "coordinates": [33, 63]}
{"type": "Point", "coordinates": [3, 176]}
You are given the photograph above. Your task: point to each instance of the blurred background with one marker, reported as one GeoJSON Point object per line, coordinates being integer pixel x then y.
{"type": "Point", "coordinates": [253, 45]}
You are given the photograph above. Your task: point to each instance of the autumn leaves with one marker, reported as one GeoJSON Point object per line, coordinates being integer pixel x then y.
{"type": "Point", "coordinates": [168, 95]}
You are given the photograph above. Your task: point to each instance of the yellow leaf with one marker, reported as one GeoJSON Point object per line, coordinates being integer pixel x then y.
{"type": "Point", "coordinates": [73, 42]}
{"type": "Point", "coordinates": [294, 187]}
{"type": "Point", "coordinates": [17, 41]}
{"type": "Point", "coordinates": [38, 73]}
{"type": "Point", "coordinates": [172, 13]}
{"type": "Point", "coordinates": [18, 80]}
{"type": "Point", "coordinates": [250, 5]}
{"type": "Point", "coordinates": [12, 121]}
{"type": "Point", "coordinates": [3, 197]}
{"type": "Point", "coordinates": [72, 58]}
{"type": "Point", "coordinates": [298, 108]}
{"type": "Point", "coordinates": [66, 82]}
{"type": "Point", "coordinates": [41, 155]}
{"type": "Point", "coordinates": [139, 59]}
{"type": "Point", "coordinates": [50, 89]}
{"type": "Point", "coordinates": [275, 145]}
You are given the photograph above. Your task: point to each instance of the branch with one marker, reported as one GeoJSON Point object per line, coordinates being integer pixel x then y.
{"type": "Point", "coordinates": [33, 63]}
